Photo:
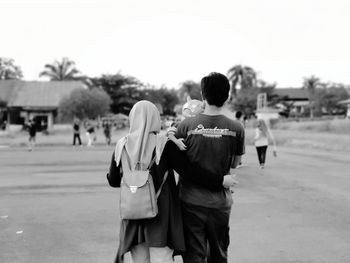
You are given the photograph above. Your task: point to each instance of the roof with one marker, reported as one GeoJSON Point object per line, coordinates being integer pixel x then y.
{"type": "Point", "coordinates": [292, 93]}
{"type": "Point", "coordinates": [36, 94]}
{"type": "Point", "coordinates": [8, 89]}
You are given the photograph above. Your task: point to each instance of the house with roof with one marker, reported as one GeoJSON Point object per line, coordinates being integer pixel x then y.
{"type": "Point", "coordinates": [38, 100]}
{"type": "Point", "coordinates": [297, 99]}
{"type": "Point", "coordinates": [347, 103]}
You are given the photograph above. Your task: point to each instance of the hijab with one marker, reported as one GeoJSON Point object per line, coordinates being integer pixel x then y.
{"type": "Point", "coordinates": [143, 138]}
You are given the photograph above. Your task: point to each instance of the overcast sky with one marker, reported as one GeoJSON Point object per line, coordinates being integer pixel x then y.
{"type": "Point", "coordinates": [160, 41]}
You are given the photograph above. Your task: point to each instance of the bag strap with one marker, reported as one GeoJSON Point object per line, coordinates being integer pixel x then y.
{"type": "Point", "coordinates": [125, 163]}
{"type": "Point", "coordinates": [161, 186]}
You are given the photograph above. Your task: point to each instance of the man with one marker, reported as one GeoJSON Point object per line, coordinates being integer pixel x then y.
{"type": "Point", "coordinates": [239, 117]}
{"type": "Point", "coordinates": [213, 142]}
{"type": "Point", "coordinates": [76, 132]}
{"type": "Point", "coordinates": [32, 133]}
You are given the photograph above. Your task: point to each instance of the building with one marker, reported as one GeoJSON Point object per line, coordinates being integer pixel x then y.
{"type": "Point", "coordinates": [39, 100]}
{"type": "Point", "coordinates": [346, 102]}
{"type": "Point", "coordinates": [297, 99]}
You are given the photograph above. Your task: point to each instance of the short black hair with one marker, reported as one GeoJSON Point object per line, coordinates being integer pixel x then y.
{"type": "Point", "coordinates": [238, 114]}
{"type": "Point", "coordinates": [215, 89]}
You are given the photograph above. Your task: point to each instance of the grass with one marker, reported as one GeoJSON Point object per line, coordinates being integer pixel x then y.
{"type": "Point", "coordinates": [337, 126]}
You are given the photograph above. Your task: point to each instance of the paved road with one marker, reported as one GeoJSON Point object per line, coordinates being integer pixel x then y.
{"type": "Point", "coordinates": [296, 210]}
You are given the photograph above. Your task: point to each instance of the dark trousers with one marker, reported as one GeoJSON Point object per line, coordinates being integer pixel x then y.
{"type": "Point", "coordinates": [202, 227]}
{"type": "Point", "coordinates": [261, 150]}
{"type": "Point", "coordinates": [76, 136]}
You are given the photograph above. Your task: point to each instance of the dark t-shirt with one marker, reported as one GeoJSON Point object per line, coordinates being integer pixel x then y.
{"type": "Point", "coordinates": [32, 129]}
{"type": "Point", "coordinates": [212, 142]}
{"type": "Point", "coordinates": [76, 128]}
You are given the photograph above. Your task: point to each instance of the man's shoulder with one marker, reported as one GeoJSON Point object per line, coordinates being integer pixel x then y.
{"type": "Point", "coordinates": [237, 124]}
{"type": "Point", "coordinates": [189, 121]}
{"type": "Point", "coordinates": [231, 124]}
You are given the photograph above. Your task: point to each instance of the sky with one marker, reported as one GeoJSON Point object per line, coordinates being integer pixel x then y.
{"type": "Point", "coordinates": [168, 42]}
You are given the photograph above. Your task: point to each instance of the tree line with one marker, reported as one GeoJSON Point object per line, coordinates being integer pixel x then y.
{"type": "Point", "coordinates": [119, 92]}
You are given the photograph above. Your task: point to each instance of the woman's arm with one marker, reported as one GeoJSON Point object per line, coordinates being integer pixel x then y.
{"type": "Point", "coordinates": [178, 161]}
{"type": "Point", "coordinates": [257, 134]}
{"type": "Point", "coordinates": [115, 173]}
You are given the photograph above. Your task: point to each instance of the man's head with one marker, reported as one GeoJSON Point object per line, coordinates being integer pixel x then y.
{"type": "Point", "coordinates": [215, 89]}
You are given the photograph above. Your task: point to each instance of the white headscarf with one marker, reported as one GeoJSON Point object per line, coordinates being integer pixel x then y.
{"type": "Point", "coordinates": [143, 137]}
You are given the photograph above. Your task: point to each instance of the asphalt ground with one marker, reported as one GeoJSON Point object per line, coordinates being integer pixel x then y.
{"type": "Point", "coordinates": [56, 206]}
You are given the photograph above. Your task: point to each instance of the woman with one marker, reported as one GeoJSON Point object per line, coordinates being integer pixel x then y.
{"type": "Point", "coordinates": [261, 141]}
{"type": "Point", "coordinates": [155, 240]}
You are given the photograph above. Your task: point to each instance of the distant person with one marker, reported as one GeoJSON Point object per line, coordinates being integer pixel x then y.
{"type": "Point", "coordinates": [90, 132]}
{"type": "Point", "coordinates": [106, 125]}
{"type": "Point", "coordinates": [239, 117]}
{"type": "Point", "coordinates": [261, 141]}
{"type": "Point", "coordinates": [76, 131]}
{"type": "Point", "coordinates": [31, 126]}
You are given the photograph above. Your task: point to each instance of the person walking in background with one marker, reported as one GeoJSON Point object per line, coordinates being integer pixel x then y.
{"type": "Point", "coordinates": [261, 141]}
{"type": "Point", "coordinates": [31, 126]}
{"type": "Point", "coordinates": [90, 132]}
{"type": "Point", "coordinates": [154, 240]}
{"type": "Point", "coordinates": [76, 131]}
{"type": "Point", "coordinates": [107, 131]}
{"type": "Point", "coordinates": [239, 117]}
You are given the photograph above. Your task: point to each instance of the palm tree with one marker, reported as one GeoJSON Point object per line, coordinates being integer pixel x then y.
{"type": "Point", "coordinates": [62, 70]}
{"type": "Point", "coordinates": [311, 83]}
{"type": "Point", "coordinates": [243, 75]}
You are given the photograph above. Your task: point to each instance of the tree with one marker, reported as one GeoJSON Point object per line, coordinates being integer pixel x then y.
{"type": "Point", "coordinates": [164, 96]}
{"type": "Point", "coordinates": [8, 69]}
{"type": "Point", "coordinates": [246, 98]}
{"type": "Point", "coordinates": [268, 88]}
{"type": "Point", "coordinates": [123, 90]}
{"type": "Point", "coordinates": [311, 83]}
{"type": "Point", "coordinates": [85, 103]}
{"type": "Point", "coordinates": [245, 101]}
{"type": "Point", "coordinates": [245, 76]}
{"type": "Point", "coordinates": [190, 88]}
{"type": "Point", "coordinates": [327, 97]}
{"type": "Point", "coordinates": [62, 70]}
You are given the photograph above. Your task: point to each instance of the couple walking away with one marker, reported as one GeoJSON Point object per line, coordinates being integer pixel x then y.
{"type": "Point", "coordinates": [193, 215]}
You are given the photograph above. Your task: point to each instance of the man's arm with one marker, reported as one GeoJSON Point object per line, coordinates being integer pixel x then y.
{"type": "Point", "coordinates": [192, 172]}
{"type": "Point", "coordinates": [236, 160]}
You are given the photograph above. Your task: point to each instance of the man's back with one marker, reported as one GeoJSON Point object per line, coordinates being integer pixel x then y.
{"type": "Point", "coordinates": [212, 141]}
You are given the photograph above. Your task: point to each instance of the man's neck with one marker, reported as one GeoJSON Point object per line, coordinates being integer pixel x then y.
{"type": "Point", "coordinates": [212, 110]}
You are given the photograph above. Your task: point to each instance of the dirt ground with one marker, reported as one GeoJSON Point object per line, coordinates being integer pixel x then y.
{"type": "Point", "coordinates": [56, 206]}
